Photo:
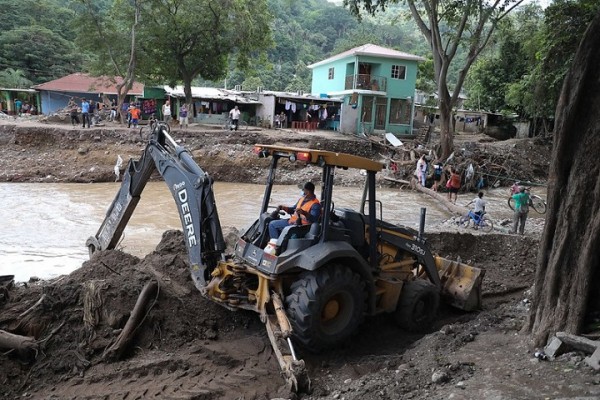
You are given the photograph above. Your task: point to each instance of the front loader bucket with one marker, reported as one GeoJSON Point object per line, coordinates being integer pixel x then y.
{"type": "Point", "coordinates": [461, 283]}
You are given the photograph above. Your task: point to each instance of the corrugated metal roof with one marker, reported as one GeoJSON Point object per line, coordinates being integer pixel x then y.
{"type": "Point", "coordinates": [370, 50]}
{"type": "Point", "coordinates": [296, 96]}
{"type": "Point", "coordinates": [85, 83]}
{"type": "Point", "coordinates": [16, 90]}
{"type": "Point", "coordinates": [209, 93]}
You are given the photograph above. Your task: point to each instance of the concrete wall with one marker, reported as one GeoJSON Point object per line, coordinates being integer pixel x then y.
{"type": "Point", "coordinates": [348, 118]}
{"type": "Point", "coordinates": [266, 109]}
{"type": "Point", "coordinates": [522, 129]}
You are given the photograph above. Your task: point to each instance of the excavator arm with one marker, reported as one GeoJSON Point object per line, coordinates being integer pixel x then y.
{"type": "Point", "coordinates": [191, 189]}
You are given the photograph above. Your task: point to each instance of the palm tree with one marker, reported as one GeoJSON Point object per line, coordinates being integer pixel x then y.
{"type": "Point", "coordinates": [14, 79]}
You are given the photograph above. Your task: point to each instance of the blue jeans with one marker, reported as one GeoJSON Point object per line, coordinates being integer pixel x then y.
{"type": "Point", "coordinates": [276, 226]}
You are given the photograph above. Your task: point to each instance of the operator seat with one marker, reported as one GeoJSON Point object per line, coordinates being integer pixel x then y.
{"type": "Point", "coordinates": [350, 224]}
{"type": "Point", "coordinates": [297, 237]}
{"type": "Point", "coordinates": [258, 233]}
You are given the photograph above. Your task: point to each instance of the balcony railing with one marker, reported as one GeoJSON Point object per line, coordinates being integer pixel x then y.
{"type": "Point", "coordinates": [366, 82]}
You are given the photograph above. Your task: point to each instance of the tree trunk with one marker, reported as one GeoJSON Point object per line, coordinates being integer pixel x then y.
{"type": "Point", "coordinates": [446, 134]}
{"type": "Point", "coordinates": [187, 90]}
{"type": "Point", "coordinates": [567, 275]}
{"type": "Point", "coordinates": [442, 199]}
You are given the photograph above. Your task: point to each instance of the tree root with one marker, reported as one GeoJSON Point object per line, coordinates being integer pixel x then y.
{"type": "Point", "coordinates": [33, 307]}
{"type": "Point", "coordinates": [136, 319]}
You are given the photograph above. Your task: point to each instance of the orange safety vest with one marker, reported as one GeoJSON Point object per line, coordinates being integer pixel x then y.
{"type": "Point", "coordinates": [306, 207]}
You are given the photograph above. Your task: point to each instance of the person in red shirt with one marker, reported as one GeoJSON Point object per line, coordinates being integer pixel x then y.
{"type": "Point", "coordinates": [453, 185]}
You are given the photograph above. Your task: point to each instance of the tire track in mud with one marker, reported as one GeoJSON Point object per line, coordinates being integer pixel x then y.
{"type": "Point", "coordinates": [228, 369]}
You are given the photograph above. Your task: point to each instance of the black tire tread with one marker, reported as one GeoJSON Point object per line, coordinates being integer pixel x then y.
{"type": "Point", "coordinates": [412, 291]}
{"type": "Point", "coordinates": [303, 307]}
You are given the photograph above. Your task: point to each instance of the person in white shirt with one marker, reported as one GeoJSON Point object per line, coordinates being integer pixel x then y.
{"type": "Point", "coordinates": [421, 171]}
{"type": "Point", "coordinates": [479, 204]}
{"type": "Point", "coordinates": [166, 112]}
{"type": "Point", "coordinates": [234, 114]}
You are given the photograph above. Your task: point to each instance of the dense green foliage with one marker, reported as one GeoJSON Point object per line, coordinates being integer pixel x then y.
{"type": "Point", "coordinates": [305, 32]}
{"type": "Point", "coordinates": [36, 40]}
{"type": "Point", "coordinates": [190, 38]}
{"type": "Point", "coordinates": [523, 71]}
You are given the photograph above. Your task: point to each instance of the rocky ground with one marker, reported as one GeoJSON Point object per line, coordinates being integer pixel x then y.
{"type": "Point", "coordinates": [190, 348]}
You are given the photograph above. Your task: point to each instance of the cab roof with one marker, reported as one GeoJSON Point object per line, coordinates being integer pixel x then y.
{"type": "Point", "coordinates": [313, 156]}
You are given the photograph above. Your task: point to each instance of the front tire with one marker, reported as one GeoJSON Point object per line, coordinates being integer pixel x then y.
{"type": "Point", "coordinates": [486, 225]}
{"type": "Point", "coordinates": [325, 306]}
{"type": "Point", "coordinates": [538, 204]}
{"type": "Point", "coordinates": [418, 306]}
{"type": "Point", "coordinates": [465, 221]}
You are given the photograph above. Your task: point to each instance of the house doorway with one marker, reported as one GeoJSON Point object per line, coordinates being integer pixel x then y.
{"type": "Point", "coordinates": [380, 113]}
{"type": "Point", "coordinates": [364, 76]}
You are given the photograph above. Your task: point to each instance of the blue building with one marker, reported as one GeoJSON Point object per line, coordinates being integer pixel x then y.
{"type": "Point", "coordinates": [55, 95]}
{"type": "Point", "coordinates": [377, 85]}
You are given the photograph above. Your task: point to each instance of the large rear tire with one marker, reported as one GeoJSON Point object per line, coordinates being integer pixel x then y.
{"type": "Point", "coordinates": [418, 305]}
{"type": "Point", "coordinates": [325, 306]}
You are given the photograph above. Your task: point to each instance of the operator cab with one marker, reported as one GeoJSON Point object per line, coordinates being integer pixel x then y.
{"type": "Point", "coordinates": [340, 224]}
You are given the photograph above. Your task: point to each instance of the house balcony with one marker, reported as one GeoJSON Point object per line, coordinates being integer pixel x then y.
{"type": "Point", "coordinates": [373, 83]}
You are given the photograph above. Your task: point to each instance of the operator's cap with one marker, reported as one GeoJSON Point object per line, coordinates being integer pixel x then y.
{"type": "Point", "coordinates": [309, 186]}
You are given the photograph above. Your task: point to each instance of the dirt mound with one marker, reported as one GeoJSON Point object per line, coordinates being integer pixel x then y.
{"type": "Point", "coordinates": [185, 340]}
{"type": "Point", "coordinates": [188, 347]}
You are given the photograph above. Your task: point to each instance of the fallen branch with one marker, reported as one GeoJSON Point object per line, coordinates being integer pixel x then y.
{"type": "Point", "coordinates": [33, 307]}
{"type": "Point", "coordinates": [25, 345]}
{"type": "Point", "coordinates": [442, 199]}
{"type": "Point", "coordinates": [52, 333]}
{"type": "Point", "coordinates": [137, 317]}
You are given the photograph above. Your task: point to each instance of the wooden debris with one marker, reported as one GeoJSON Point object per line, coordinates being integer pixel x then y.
{"type": "Point", "coordinates": [563, 342]}
{"type": "Point", "coordinates": [33, 307]}
{"type": "Point", "coordinates": [137, 317]}
{"type": "Point", "coordinates": [25, 345]}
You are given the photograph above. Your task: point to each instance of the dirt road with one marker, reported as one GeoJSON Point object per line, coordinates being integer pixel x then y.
{"type": "Point", "coordinates": [189, 348]}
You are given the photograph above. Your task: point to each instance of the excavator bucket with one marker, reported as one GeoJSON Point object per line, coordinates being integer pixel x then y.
{"type": "Point", "coordinates": [461, 283]}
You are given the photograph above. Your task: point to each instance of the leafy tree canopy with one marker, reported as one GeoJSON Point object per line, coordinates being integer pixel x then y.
{"type": "Point", "coordinates": [40, 53]}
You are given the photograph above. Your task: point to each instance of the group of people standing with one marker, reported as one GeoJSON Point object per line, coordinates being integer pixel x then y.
{"type": "Point", "coordinates": [132, 113]}
{"type": "Point", "coordinates": [453, 184]}
{"type": "Point", "coordinates": [89, 111]}
{"type": "Point", "coordinates": [168, 115]}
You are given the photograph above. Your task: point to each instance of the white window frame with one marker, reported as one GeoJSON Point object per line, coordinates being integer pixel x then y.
{"type": "Point", "coordinates": [395, 72]}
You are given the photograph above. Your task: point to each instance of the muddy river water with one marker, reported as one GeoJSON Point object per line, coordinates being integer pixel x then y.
{"type": "Point", "coordinates": [44, 226]}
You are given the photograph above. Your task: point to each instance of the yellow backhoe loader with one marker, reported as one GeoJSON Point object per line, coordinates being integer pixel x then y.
{"type": "Point", "coordinates": [320, 280]}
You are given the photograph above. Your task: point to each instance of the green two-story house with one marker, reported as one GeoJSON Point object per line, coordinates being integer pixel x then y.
{"type": "Point", "coordinates": [378, 87]}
